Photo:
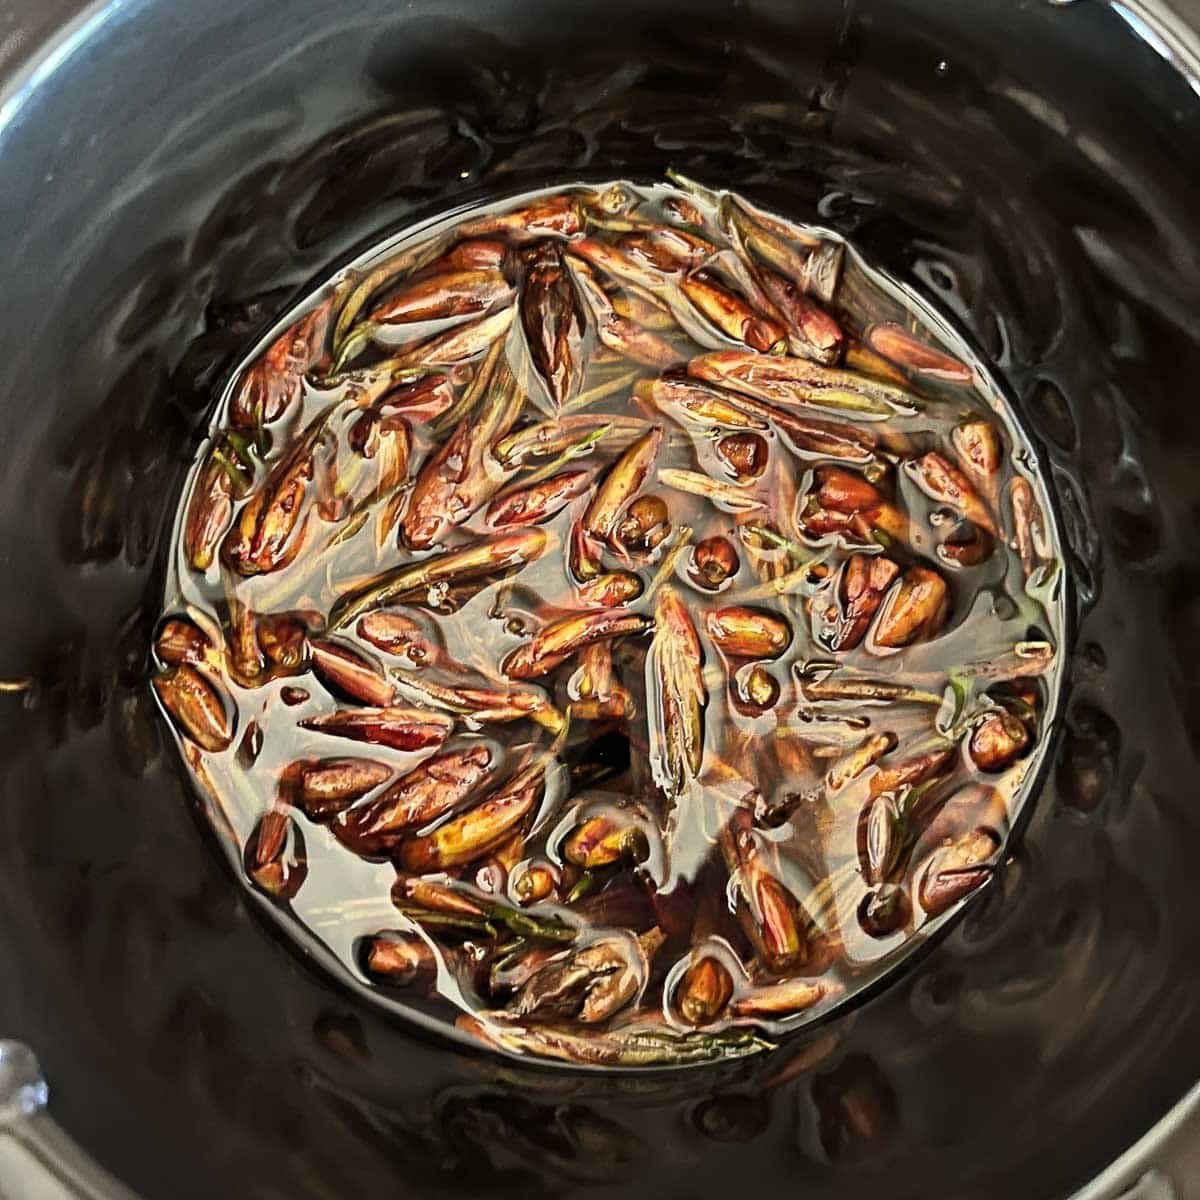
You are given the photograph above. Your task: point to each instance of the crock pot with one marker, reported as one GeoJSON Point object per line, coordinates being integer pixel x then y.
{"type": "Point", "coordinates": [172, 175]}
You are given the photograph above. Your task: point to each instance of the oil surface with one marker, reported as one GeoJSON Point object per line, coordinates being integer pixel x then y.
{"type": "Point", "coordinates": [848, 801]}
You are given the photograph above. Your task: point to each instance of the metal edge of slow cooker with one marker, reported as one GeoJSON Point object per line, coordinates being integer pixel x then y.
{"type": "Point", "coordinates": [38, 1159]}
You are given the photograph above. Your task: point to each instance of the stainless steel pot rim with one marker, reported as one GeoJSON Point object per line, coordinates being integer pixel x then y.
{"type": "Point", "coordinates": [37, 1157]}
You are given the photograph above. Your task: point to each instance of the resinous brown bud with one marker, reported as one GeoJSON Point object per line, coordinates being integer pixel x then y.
{"type": "Point", "coordinates": [351, 673]}
{"type": "Point", "coordinates": [956, 870]}
{"type": "Point", "coordinates": [275, 857]}
{"type": "Point", "coordinates": [603, 840]}
{"type": "Point", "coordinates": [567, 636]}
{"type": "Point", "coordinates": [538, 502]}
{"type": "Point", "coordinates": [757, 688]}
{"type": "Point", "coordinates": [714, 562]}
{"type": "Point", "coordinates": [748, 632]}
{"type": "Point", "coordinates": [197, 706]}
{"type": "Point", "coordinates": [436, 787]}
{"type": "Point", "coordinates": [745, 454]}
{"type": "Point", "coordinates": [677, 718]}
{"type": "Point", "coordinates": [399, 957]}
{"type": "Point", "coordinates": [885, 910]}
{"type": "Point", "coordinates": [914, 610]}
{"type": "Point", "coordinates": [704, 991]}
{"type": "Point", "coordinates": [998, 741]}
{"type": "Point", "coordinates": [611, 590]}
{"type": "Point", "coordinates": [397, 726]}
{"type": "Point", "coordinates": [943, 481]}
{"type": "Point", "coordinates": [455, 294]}
{"type": "Point", "coordinates": [182, 641]}
{"type": "Point", "coordinates": [645, 524]}
{"type": "Point", "coordinates": [981, 455]}
{"type": "Point", "coordinates": [862, 585]}
{"type": "Point", "coordinates": [900, 346]}
{"type": "Point", "coordinates": [551, 320]}
{"type": "Point", "coordinates": [283, 639]}
{"type": "Point", "coordinates": [732, 315]}
{"type": "Point", "coordinates": [779, 1000]}
{"type": "Point", "coordinates": [399, 634]}
{"type": "Point", "coordinates": [478, 831]}
{"type": "Point", "coordinates": [537, 882]}
{"type": "Point", "coordinates": [327, 786]}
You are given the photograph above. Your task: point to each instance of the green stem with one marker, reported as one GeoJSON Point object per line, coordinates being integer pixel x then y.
{"type": "Point", "coordinates": [438, 920]}
{"type": "Point", "coordinates": [600, 391]}
{"type": "Point", "coordinates": [359, 339]}
{"type": "Point", "coordinates": [795, 549]}
{"type": "Point", "coordinates": [582, 447]}
{"type": "Point", "coordinates": [583, 885]}
{"type": "Point", "coordinates": [526, 925]}
{"type": "Point", "coordinates": [668, 564]}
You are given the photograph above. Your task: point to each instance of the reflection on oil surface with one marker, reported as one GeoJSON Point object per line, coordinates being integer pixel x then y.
{"type": "Point", "coordinates": [615, 623]}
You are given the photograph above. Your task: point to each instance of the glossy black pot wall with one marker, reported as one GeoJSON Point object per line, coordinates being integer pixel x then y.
{"type": "Point", "coordinates": [173, 173]}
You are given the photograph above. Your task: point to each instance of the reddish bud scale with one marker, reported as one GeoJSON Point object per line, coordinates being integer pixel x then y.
{"type": "Point", "coordinates": [398, 634]}
{"type": "Point", "coordinates": [456, 294]}
{"type": "Point", "coordinates": [897, 345]}
{"type": "Point", "coordinates": [347, 671]}
{"type": "Point", "coordinates": [436, 787]}
{"type": "Point", "coordinates": [748, 632]}
{"type": "Point", "coordinates": [550, 319]}
{"type": "Point", "coordinates": [328, 786]}
{"type": "Point", "coordinates": [395, 726]}
{"type": "Point", "coordinates": [914, 609]}
{"type": "Point", "coordinates": [538, 502]}
{"type": "Point", "coordinates": [275, 382]}
{"type": "Point", "coordinates": [477, 832]}
{"type": "Point", "coordinates": [567, 636]}
{"type": "Point", "coordinates": [704, 991]}
{"type": "Point", "coordinates": [731, 314]}
{"type": "Point", "coordinates": [200, 711]}
{"type": "Point", "coordinates": [610, 591]}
